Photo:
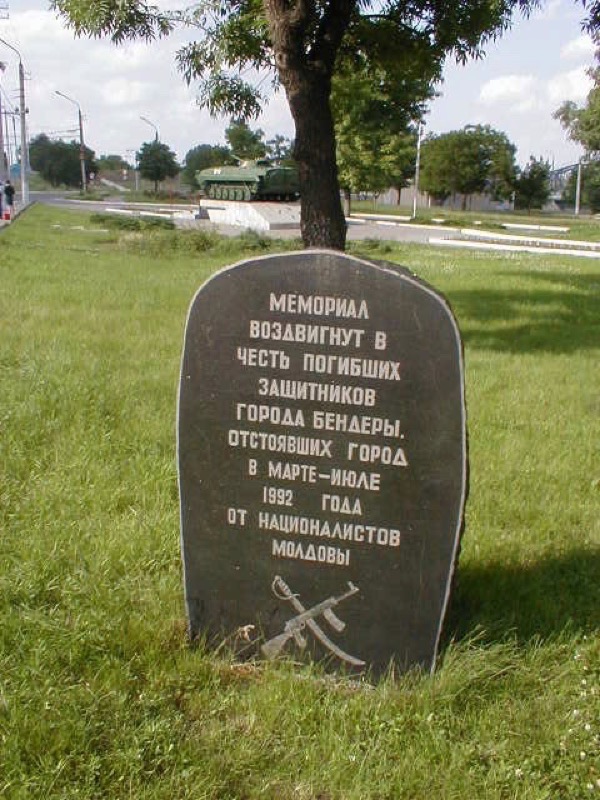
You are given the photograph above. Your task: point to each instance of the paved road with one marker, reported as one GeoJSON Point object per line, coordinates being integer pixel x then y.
{"type": "Point", "coordinates": [382, 228]}
{"type": "Point", "coordinates": [357, 229]}
{"type": "Point", "coordinates": [67, 201]}
{"type": "Point", "coordinates": [397, 232]}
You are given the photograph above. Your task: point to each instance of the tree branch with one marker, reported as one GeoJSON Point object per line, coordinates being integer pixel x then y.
{"type": "Point", "coordinates": [330, 32]}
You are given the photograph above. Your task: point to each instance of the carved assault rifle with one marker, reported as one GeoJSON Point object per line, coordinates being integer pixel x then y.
{"type": "Point", "coordinates": [305, 618]}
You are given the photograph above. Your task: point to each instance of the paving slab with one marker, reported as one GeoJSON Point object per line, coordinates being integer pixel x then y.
{"type": "Point", "coordinates": [533, 241]}
{"type": "Point", "coordinates": [514, 248]}
{"type": "Point", "coordinates": [532, 227]}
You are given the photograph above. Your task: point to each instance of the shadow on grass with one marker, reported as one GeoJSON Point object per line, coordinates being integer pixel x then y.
{"type": "Point", "coordinates": [536, 318]}
{"type": "Point", "coordinates": [534, 600]}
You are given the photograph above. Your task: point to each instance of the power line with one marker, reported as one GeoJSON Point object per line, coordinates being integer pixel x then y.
{"type": "Point", "coordinates": [59, 134]}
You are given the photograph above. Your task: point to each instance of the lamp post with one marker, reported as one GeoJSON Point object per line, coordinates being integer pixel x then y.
{"type": "Point", "coordinates": [417, 168]}
{"type": "Point", "coordinates": [81, 142]}
{"type": "Point", "coordinates": [22, 115]}
{"type": "Point", "coordinates": [578, 187]}
{"type": "Point", "coordinates": [152, 125]}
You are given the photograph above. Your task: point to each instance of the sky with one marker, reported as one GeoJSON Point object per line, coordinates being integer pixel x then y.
{"type": "Point", "coordinates": [523, 78]}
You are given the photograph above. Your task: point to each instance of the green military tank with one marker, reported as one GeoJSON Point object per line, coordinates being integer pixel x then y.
{"type": "Point", "coordinates": [258, 179]}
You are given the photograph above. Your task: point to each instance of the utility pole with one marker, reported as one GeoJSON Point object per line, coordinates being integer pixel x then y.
{"type": "Point", "coordinates": [24, 143]}
{"type": "Point", "coordinates": [23, 117]}
{"type": "Point", "coordinates": [136, 171]}
{"type": "Point", "coordinates": [3, 164]}
{"type": "Point", "coordinates": [10, 144]}
{"type": "Point", "coordinates": [81, 142]}
{"type": "Point", "coordinates": [13, 116]}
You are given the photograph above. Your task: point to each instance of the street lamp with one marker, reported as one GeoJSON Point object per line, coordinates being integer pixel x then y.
{"type": "Point", "coordinates": [22, 113]}
{"type": "Point", "coordinates": [417, 168]}
{"type": "Point", "coordinates": [152, 125]}
{"type": "Point", "coordinates": [81, 143]}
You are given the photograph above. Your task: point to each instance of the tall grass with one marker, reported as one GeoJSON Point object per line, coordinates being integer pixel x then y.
{"type": "Point", "coordinates": [101, 695]}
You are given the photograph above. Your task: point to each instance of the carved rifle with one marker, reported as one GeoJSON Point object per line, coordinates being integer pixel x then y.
{"type": "Point", "coordinates": [306, 619]}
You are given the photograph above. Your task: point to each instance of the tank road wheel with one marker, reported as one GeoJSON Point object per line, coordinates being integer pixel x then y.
{"type": "Point", "coordinates": [210, 191]}
{"type": "Point", "coordinates": [218, 192]}
{"type": "Point", "coordinates": [247, 194]}
{"type": "Point", "coordinates": [239, 194]}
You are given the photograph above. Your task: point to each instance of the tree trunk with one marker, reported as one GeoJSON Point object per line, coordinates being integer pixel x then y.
{"type": "Point", "coordinates": [305, 63]}
{"type": "Point", "coordinates": [347, 202]}
{"type": "Point", "coordinates": [322, 221]}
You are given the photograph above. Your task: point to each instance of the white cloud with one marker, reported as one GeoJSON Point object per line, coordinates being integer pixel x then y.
{"type": "Point", "coordinates": [548, 11]}
{"type": "Point", "coordinates": [276, 117]}
{"type": "Point", "coordinates": [36, 26]}
{"type": "Point", "coordinates": [581, 48]}
{"type": "Point", "coordinates": [522, 94]}
{"type": "Point", "coordinates": [515, 92]}
{"type": "Point", "coordinates": [115, 85]}
{"type": "Point", "coordinates": [573, 85]}
{"type": "Point", "coordinates": [123, 92]}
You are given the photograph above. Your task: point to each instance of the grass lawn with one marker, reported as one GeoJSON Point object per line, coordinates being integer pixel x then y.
{"type": "Point", "coordinates": [101, 695]}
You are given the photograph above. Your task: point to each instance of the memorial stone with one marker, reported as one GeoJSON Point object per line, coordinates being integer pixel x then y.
{"type": "Point", "coordinates": [322, 461]}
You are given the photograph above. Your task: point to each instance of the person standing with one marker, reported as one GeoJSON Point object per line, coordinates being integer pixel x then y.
{"type": "Point", "coordinates": [9, 194]}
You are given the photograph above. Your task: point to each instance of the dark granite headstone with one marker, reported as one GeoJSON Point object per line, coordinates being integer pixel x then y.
{"type": "Point", "coordinates": [322, 461]}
